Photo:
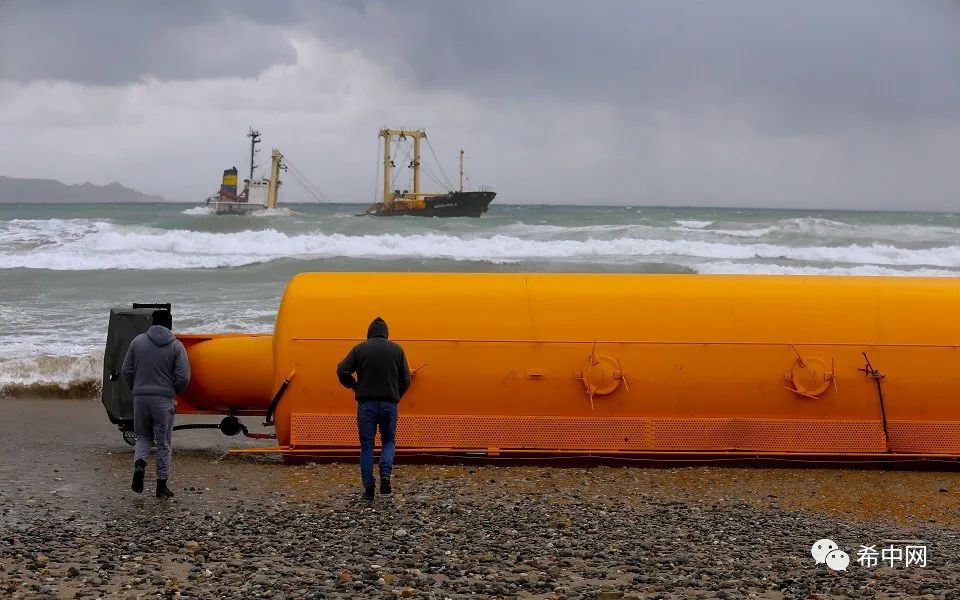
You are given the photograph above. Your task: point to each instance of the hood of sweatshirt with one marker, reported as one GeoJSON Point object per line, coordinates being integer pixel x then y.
{"type": "Point", "coordinates": [160, 335]}
{"type": "Point", "coordinates": [378, 328]}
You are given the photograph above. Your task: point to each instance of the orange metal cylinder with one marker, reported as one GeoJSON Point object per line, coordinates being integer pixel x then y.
{"type": "Point", "coordinates": [629, 363]}
{"type": "Point", "coordinates": [229, 374]}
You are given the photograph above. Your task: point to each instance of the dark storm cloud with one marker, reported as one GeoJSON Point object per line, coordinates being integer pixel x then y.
{"type": "Point", "coordinates": [797, 65]}
{"type": "Point", "coordinates": [114, 42]}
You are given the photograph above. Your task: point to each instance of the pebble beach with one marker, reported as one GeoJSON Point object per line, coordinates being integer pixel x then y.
{"type": "Point", "coordinates": [244, 527]}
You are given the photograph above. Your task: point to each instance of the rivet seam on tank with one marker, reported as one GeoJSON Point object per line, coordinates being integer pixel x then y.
{"type": "Point", "coordinates": [810, 376]}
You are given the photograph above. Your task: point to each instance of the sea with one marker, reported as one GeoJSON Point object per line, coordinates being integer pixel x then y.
{"type": "Point", "coordinates": [63, 266]}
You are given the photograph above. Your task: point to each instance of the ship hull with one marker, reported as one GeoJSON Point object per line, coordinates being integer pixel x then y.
{"type": "Point", "coordinates": [234, 208]}
{"type": "Point", "coordinates": [452, 204]}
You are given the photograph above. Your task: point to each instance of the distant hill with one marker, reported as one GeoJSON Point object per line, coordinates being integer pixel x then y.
{"type": "Point", "coordinates": [13, 190]}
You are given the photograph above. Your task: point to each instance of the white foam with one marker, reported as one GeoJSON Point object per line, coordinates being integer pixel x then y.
{"type": "Point", "coordinates": [821, 228]}
{"type": "Point", "coordinates": [740, 268]}
{"type": "Point", "coordinates": [266, 212]}
{"type": "Point", "coordinates": [815, 225]}
{"type": "Point", "coordinates": [628, 229]}
{"type": "Point", "coordinates": [739, 233]}
{"type": "Point", "coordinates": [825, 229]}
{"type": "Point", "coordinates": [231, 316]}
{"type": "Point", "coordinates": [692, 224]}
{"type": "Point", "coordinates": [95, 245]}
{"type": "Point", "coordinates": [746, 233]}
{"type": "Point", "coordinates": [33, 232]}
{"type": "Point", "coordinates": [197, 210]}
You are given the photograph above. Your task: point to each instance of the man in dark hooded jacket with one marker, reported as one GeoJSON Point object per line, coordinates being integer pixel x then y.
{"type": "Point", "coordinates": [156, 369]}
{"type": "Point", "coordinates": [382, 378]}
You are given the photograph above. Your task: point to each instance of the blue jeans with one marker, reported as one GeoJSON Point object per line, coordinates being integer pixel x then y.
{"type": "Point", "coordinates": [371, 415]}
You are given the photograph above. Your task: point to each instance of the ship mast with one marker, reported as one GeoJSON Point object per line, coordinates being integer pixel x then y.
{"type": "Point", "coordinates": [254, 136]}
{"type": "Point", "coordinates": [461, 169]}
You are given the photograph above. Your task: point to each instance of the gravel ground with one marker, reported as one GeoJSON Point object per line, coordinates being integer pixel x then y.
{"type": "Point", "coordinates": [248, 528]}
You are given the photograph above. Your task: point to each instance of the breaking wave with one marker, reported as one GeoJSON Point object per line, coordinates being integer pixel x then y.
{"type": "Point", "coordinates": [735, 268]}
{"type": "Point", "coordinates": [197, 210]}
{"type": "Point", "coordinates": [826, 245]}
{"type": "Point", "coordinates": [51, 376]}
{"type": "Point", "coordinates": [97, 245]}
{"type": "Point", "coordinates": [690, 224]}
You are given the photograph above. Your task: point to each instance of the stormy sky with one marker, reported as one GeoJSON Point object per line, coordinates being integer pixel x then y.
{"type": "Point", "coordinates": [808, 104]}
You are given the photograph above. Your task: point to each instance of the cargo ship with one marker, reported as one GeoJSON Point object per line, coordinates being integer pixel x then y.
{"type": "Point", "coordinates": [257, 195]}
{"type": "Point", "coordinates": [395, 202]}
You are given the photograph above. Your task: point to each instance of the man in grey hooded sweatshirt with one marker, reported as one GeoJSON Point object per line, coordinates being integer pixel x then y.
{"type": "Point", "coordinates": [156, 369]}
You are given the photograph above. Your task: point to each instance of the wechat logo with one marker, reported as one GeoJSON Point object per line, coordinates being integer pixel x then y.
{"type": "Point", "coordinates": [827, 551]}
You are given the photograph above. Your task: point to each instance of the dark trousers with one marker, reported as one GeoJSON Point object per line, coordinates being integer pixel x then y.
{"type": "Point", "coordinates": [370, 416]}
{"type": "Point", "coordinates": [153, 424]}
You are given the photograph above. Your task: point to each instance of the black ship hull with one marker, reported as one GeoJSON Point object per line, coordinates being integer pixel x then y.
{"type": "Point", "coordinates": [452, 204]}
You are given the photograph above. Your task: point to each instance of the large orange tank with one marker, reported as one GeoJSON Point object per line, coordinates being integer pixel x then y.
{"type": "Point", "coordinates": [611, 364]}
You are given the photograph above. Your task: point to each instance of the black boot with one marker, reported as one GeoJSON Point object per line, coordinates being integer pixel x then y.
{"type": "Point", "coordinates": [139, 468]}
{"type": "Point", "coordinates": [385, 489]}
{"type": "Point", "coordinates": [162, 490]}
{"type": "Point", "coordinates": [368, 493]}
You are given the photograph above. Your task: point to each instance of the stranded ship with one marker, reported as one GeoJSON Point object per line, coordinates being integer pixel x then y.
{"type": "Point", "coordinates": [395, 202]}
{"type": "Point", "coordinates": [257, 194]}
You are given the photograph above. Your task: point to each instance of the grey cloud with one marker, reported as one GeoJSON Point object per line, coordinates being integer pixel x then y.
{"type": "Point", "coordinates": [116, 42]}
{"type": "Point", "coordinates": [798, 66]}
{"type": "Point", "coordinates": [795, 67]}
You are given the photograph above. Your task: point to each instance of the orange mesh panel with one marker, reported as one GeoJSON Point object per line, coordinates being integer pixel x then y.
{"type": "Point", "coordinates": [469, 431]}
{"type": "Point", "coordinates": [599, 433]}
{"type": "Point", "coordinates": [540, 433]}
{"type": "Point", "coordinates": [324, 430]}
{"type": "Point", "coordinates": [925, 437]}
{"type": "Point", "coordinates": [768, 435]}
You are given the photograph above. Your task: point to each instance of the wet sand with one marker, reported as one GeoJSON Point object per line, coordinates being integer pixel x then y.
{"type": "Point", "coordinates": [244, 527]}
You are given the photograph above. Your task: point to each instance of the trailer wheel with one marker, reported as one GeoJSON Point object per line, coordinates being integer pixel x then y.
{"type": "Point", "coordinates": [231, 426]}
